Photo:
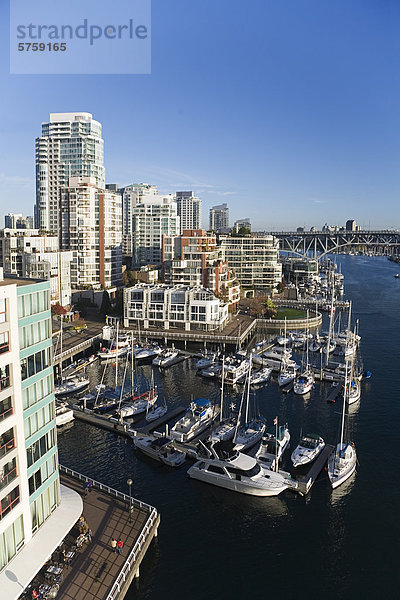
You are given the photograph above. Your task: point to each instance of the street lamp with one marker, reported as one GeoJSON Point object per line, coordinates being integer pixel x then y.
{"type": "Point", "coordinates": [130, 482]}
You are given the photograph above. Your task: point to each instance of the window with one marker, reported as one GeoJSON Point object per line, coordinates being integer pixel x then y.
{"type": "Point", "coordinates": [3, 314]}
{"type": "Point", "coordinates": [42, 474]}
{"type": "Point", "coordinates": [4, 377]}
{"type": "Point", "coordinates": [39, 448]}
{"type": "Point", "coordinates": [11, 541]}
{"type": "Point", "coordinates": [6, 408]}
{"type": "Point", "coordinates": [35, 363]}
{"type": "Point", "coordinates": [9, 502]}
{"type": "Point", "coordinates": [8, 472]}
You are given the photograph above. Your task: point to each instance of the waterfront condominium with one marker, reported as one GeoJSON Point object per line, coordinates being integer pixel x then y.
{"type": "Point", "coordinates": [189, 210]}
{"type": "Point", "coordinates": [91, 226]}
{"type": "Point", "coordinates": [255, 262]}
{"type": "Point", "coordinates": [132, 196]}
{"type": "Point", "coordinates": [219, 218]}
{"type": "Point", "coordinates": [26, 253]}
{"type": "Point", "coordinates": [154, 217]}
{"type": "Point", "coordinates": [70, 145]}
{"type": "Point", "coordinates": [35, 513]}
{"type": "Point", "coordinates": [194, 258]}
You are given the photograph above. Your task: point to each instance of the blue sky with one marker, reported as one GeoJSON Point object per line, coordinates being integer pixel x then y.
{"type": "Point", "coordinates": [288, 111]}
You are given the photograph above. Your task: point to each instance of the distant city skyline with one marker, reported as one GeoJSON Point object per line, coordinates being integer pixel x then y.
{"type": "Point", "coordinates": [293, 125]}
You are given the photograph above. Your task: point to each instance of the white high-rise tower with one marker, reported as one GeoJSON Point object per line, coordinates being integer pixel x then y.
{"type": "Point", "coordinates": [70, 146]}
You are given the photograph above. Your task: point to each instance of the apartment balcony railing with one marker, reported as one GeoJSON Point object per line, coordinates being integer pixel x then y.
{"type": "Point", "coordinates": [8, 478]}
{"type": "Point", "coordinates": [9, 502]}
{"type": "Point", "coordinates": [7, 447]}
{"type": "Point", "coordinates": [6, 413]}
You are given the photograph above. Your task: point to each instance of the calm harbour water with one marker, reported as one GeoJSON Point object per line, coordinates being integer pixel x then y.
{"type": "Point", "coordinates": [333, 544]}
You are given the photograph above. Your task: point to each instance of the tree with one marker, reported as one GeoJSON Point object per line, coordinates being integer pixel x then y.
{"type": "Point", "coordinates": [106, 306]}
{"type": "Point", "coordinates": [57, 309]}
{"type": "Point", "coordinates": [270, 309]}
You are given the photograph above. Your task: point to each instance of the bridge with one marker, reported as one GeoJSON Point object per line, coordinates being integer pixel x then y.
{"type": "Point", "coordinates": [319, 243]}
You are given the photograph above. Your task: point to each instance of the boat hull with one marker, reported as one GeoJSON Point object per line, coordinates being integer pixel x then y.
{"type": "Point", "coordinates": [234, 485]}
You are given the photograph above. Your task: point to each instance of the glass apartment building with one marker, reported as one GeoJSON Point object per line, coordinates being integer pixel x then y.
{"type": "Point", "coordinates": [70, 146]}
{"type": "Point", "coordinates": [30, 494]}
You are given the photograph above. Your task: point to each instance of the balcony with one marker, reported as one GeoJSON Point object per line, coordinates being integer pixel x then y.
{"type": "Point", "coordinates": [6, 409]}
{"type": "Point", "coordinates": [7, 445]}
{"type": "Point", "coordinates": [8, 477]}
{"type": "Point", "coordinates": [9, 502]}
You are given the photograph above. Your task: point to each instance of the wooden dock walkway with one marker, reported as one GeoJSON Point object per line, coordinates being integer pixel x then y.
{"type": "Point", "coordinates": [334, 393]}
{"type": "Point", "coordinates": [126, 429]}
{"type": "Point", "coordinates": [96, 572]}
{"type": "Point", "coordinates": [305, 483]}
{"type": "Point", "coordinates": [152, 426]}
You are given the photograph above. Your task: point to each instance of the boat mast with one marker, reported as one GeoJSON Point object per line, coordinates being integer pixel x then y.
{"type": "Point", "coordinates": [328, 347]}
{"type": "Point", "coordinates": [61, 347]}
{"type": "Point", "coordinates": [222, 388]}
{"type": "Point", "coordinates": [116, 359]}
{"type": "Point", "coordinates": [132, 362]}
{"type": "Point", "coordinates": [248, 392]}
{"type": "Point", "coordinates": [344, 402]}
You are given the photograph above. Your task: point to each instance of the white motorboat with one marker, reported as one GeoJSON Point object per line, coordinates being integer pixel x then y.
{"type": "Point", "coordinates": [274, 358]}
{"type": "Point", "coordinates": [315, 345]}
{"type": "Point", "coordinates": [166, 358]}
{"type": "Point", "coordinates": [113, 352]}
{"type": "Point", "coordinates": [161, 449]}
{"type": "Point", "coordinates": [197, 418]}
{"type": "Point", "coordinates": [273, 444]}
{"type": "Point", "coordinates": [147, 353]}
{"type": "Point", "coordinates": [224, 467]}
{"type": "Point", "coordinates": [260, 377]}
{"type": "Point", "coordinates": [156, 413]}
{"type": "Point", "coordinates": [308, 449]}
{"type": "Point", "coordinates": [171, 456]}
{"type": "Point", "coordinates": [235, 371]}
{"type": "Point", "coordinates": [206, 361]}
{"type": "Point", "coordinates": [71, 385]}
{"type": "Point", "coordinates": [64, 414]}
{"type": "Point", "coordinates": [212, 371]}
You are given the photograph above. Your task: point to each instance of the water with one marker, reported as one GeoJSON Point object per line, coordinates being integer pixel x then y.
{"type": "Point", "coordinates": [333, 544]}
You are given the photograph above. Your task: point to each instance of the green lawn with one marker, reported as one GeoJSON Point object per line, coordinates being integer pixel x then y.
{"type": "Point", "coordinates": [291, 313]}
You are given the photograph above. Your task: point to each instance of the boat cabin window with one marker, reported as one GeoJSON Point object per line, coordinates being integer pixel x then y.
{"type": "Point", "coordinates": [214, 469]}
{"type": "Point", "coordinates": [250, 473]}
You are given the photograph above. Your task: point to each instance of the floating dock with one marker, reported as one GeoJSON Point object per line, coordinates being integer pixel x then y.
{"type": "Point", "coordinates": [306, 483]}
{"type": "Point", "coordinates": [334, 393]}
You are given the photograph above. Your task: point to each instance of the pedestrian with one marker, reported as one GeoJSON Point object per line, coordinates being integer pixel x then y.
{"type": "Point", "coordinates": [114, 545]}
{"type": "Point", "coordinates": [85, 488]}
{"type": "Point", "coordinates": [90, 534]}
{"type": "Point", "coordinates": [89, 486]}
{"type": "Point", "coordinates": [120, 545]}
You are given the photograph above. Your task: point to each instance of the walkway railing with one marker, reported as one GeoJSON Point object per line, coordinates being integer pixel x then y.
{"type": "Point", "coordinates": [142, 539]}
{"type": "Point", "coordinates": [75, 349]}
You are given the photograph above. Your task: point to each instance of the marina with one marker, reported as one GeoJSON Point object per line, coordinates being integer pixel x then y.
{"type": "Point", "coordinates": [313, 413]}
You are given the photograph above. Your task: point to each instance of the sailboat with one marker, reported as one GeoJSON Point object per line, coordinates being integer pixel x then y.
{"type": "Point", "coordinates": [252, 431]}
{"type": "Point", "coordinates": [304, 382]}
{"type": "Point", "coordinates": [342, 462]}
{"type": "Point", "coordinates": [225, 430]}
{"type": "Point", "coordinates": [273, 444]}
{"type": "Point", "coordinates": [73, 384]}
{"type": "Point", "coordinates": [139, 404]}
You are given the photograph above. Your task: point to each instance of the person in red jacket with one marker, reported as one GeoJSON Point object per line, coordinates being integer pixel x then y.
{"type": "Point", "coordinates": [120, 545]}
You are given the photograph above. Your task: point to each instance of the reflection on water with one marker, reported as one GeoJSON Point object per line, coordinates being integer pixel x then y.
{"type": "Point", "coordinates": [217, 544]}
